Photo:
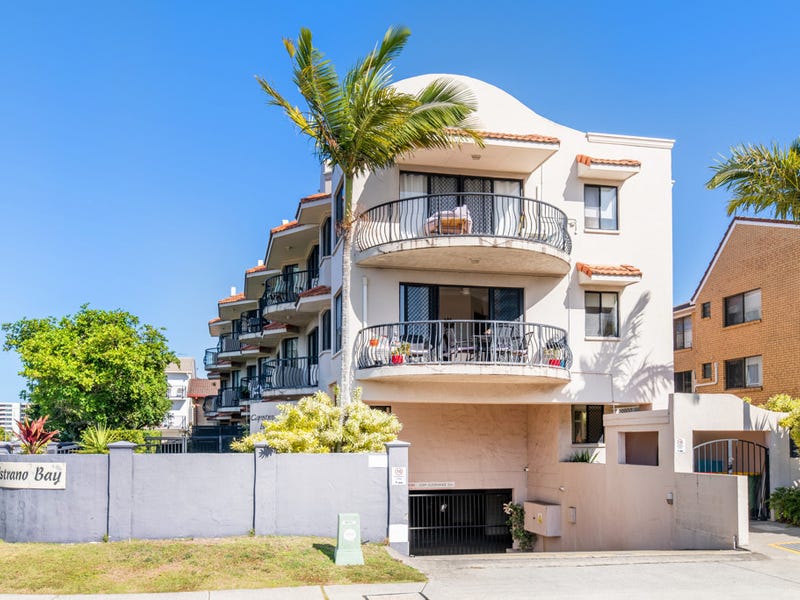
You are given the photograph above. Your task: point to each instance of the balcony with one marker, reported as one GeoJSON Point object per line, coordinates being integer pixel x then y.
{"type": "Point", "coordinates": [465, 351]}
{"type": "Point", "coordinates": [229, 399]}
{"type": "Point", "coordinates": [282, 293]}
{"type": "Point", "coordinates": [229, 344]}
{"type": "Point", "coordinates": [466, 232]}
{"type": "Point", "coordinates": [289, 376]}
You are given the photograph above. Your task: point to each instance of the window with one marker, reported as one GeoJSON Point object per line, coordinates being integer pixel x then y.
{"type": "Point", "coordinates": [587, 423]}
{"type": "Point", "coordinates": [313, 346]}
{"type": "Point", "coordinates": [743, 372]}
{"type": "Point", "coordinates": [706, 310]}
{"type": "Point", "coordinates": [602, 314]}
{"type": "Point", "coordinates": [326, 331]}
{"type": "Point", "coordinates": [326, 237]}
{"type": "Point", "coordinates": [743, 308]}
{"type": "Point", "coordinates": [312, 266]}
{"type": "Point", "coordinates": [337, 320]}
{"type": "Point", "coordinates": [683, 382]}
{"type": "Point", "coordinates": [600, 207]}
{"type": "Point", "coordinates": [289, 348]}
{"type": "Point", "coordinates": [252, 371]}
{"type": "Point", "coordinates": [682, 333]}
{"type": "Point", "coordinates": [706, 370]}
{"type": "Point", "coordinates": [338, 211]}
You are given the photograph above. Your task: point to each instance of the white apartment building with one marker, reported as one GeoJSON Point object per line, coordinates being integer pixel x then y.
{"type": "Point", "coordinates": [504, 301]}
{"type": "Point", "coordinates": [9, 415]}
{"type": "Point", "coordinates": [180, 415]}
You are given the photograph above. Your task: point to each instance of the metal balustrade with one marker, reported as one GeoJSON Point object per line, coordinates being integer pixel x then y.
{"type": "Point", "coordinates": [289, 373]}
{"type": "Point", "coordinates": [229, 397]}
{"type": "Point", "coordinates": [250, 322]}
{"type": "Point", "coordinates": [463, 214]}
{"type": "Point", "coordinates": [210, 357]}
{"type": "Point", "coordinates": [287, 287]}
{"type": "Point", "coordinates": [229, 342]}
{"type": "Point", "coordinates": [463, 342]}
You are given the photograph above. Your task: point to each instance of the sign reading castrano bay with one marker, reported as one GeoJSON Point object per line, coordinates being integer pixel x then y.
{"type": "Point", "coordinates": [39, 476]}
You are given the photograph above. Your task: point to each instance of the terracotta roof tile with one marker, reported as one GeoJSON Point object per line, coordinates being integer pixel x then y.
{"type": "Point", "coordinates": [248, 347]}
{"type": "Point", "coordinates": [214, 320]}
{"type": "Point", "coordinates": [313, 197]}
{"type": "Point", "coordinates": [616, 162]}
{"type": "Point", "coordinates": [614, 270]}
{"type": "Point", "coordinates": [320, 290]}
{"type": "Point", "coordinates": [256, 269]}
{"type": "Point", "coordinates": [234, 298]}
{"type": "Point", "coordinates": [518, 137]}
{"type": "Point", "coordinates": [200, 388]}
{"type": "Point", "coordinates": [284, 227]}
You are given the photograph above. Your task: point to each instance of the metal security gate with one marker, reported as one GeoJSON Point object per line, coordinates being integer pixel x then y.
{"type": "Point", "coordinates": [458, 522]}
{"type": "Point", "coordinates": [738, 457]}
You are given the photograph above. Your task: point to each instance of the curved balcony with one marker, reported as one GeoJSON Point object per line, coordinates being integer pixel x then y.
{"type": "Point", "coordinates": [479, 351]}
{"type": "Point", "coordinates": [286, 376]}
{"type": "Point", "coordinates": [467, 232]}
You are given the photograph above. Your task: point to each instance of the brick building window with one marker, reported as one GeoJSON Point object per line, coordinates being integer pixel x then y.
{"type": "Point", "coordinates": [742, 308]}
{"type": "Point", "coordinates": [705, 310]}
{"type": "Point", "coordinates": [587, 423]}
{"type": "Point", "coordinates": [706, 370]}
{"type": "Point", "coordinates": [682, 333]}
{"type": "Point", "coordinates": [743, 372]}
{"type": "Point", "coordinates": [683, 382]}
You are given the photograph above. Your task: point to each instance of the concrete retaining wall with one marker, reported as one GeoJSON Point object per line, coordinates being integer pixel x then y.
{"type": "Point", "coordinates": [125, 495]}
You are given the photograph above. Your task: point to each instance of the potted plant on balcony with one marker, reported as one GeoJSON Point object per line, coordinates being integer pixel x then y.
{"type": "Point", "coordinates": [400, 352]}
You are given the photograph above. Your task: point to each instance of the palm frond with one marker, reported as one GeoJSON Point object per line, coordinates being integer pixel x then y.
{"type": "Point", "coordinates": [761, 178]}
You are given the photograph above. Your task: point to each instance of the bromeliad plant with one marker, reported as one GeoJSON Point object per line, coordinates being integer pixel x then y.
{"type": "Point", "coordinates": [33, 436]}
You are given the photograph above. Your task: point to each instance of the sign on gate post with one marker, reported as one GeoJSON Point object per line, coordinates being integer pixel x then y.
{"type": "Point", "coordinates": [348, 540]}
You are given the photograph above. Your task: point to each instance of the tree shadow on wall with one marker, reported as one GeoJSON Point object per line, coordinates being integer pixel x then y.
{"type": "Point", "coordinates": [634, 375]}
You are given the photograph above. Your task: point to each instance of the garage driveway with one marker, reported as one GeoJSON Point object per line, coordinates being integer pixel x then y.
{"type": "Point", "coordinates": [765, 571]}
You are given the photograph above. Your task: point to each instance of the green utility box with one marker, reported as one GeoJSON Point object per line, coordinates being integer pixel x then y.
{"type": "Point", "coordinates": [348, 540]}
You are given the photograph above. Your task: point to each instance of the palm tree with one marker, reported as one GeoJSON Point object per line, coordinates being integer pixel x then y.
{"type": "Point", "coordinates": [761, 178]}
{"type": "Point", "coordinates": [362, 124]}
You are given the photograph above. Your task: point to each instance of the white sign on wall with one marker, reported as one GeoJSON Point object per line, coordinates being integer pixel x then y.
{"type": "Point", "coordinates": [680, 445]}
{"type": "Point", "coordinates": [36, 476]}
{"type": "Point", "coordinates": [399, 476]}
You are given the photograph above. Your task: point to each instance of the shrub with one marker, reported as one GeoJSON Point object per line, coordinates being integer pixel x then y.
{"type": "Point", "coordinates": [584, 456]}
{"type": "Point", "coordinates": [516, 525]}
{"type": "Point", "coordinates": [95, 439]}
{"type": "Point", "coordinates": [33, 436]}
{"type": "Point", "coordinates": [786, 504]}
{"type": "Point", "coordinates": [316, 425]}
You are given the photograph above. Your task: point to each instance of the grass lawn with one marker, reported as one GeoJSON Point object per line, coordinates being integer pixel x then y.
{"type": "Point", "coordinates": [188, 565]}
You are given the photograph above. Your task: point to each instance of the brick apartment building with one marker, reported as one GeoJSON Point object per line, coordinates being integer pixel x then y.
{"type": "Point", "coordinates": [740, 332]}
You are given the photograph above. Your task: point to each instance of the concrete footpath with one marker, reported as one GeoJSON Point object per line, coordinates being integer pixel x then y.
{"type": "Point", "coordinates": [767, 568]}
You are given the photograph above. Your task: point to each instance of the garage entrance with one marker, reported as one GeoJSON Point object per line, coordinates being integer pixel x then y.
{"type": "Point", "coordinates": [458, 522]}
{"type": "Point", "coordinates": [738, 457]}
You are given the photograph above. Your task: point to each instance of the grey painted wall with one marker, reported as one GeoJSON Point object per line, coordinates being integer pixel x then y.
{"type": "Point", "coordinates": [75, 514]}
{"type": "Point", "coordinates": [127, 495]}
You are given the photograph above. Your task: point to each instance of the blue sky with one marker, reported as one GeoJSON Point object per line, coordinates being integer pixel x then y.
{"type": "Point", "coordinates": [141, 169]}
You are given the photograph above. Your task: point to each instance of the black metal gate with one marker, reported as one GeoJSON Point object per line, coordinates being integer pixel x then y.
{"type": "Point", "coordinates": [738, 457]}
{"type": "Point", "coordinates": [458, 522]}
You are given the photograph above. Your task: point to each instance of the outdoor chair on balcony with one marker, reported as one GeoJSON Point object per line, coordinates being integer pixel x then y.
{"type": "Point", "coordinates": [507, 344]}
{"type": "Point", "coordinates": [449, 222]}
{"type": "Point", "coordinates": [418, 348]}
{"type": "Point", "coordinates": [458, 348]}
{"type": "Point", "coordinates": [277, 292]}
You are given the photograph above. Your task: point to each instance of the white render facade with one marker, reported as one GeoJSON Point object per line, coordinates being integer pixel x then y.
{"type": "Point", "coordinates": [9, 415]}
{"type": "Point", "coordinates": [504, 302]}
{"type": "Point", "coordinates": [180, 415]}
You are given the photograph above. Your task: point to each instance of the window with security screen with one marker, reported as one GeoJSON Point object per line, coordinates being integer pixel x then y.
{"type": "Point", "coordinates": [587, 423]}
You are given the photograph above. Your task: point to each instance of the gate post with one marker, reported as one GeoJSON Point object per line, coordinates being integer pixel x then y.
{"type": "Point", "coordinates": [397, 495]}
{"type": "Point", "coordinates": [120, 490]}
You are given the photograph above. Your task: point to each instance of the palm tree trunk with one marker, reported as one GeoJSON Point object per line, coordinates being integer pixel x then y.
{"type": "Point", "coordinates": [347, 243]}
